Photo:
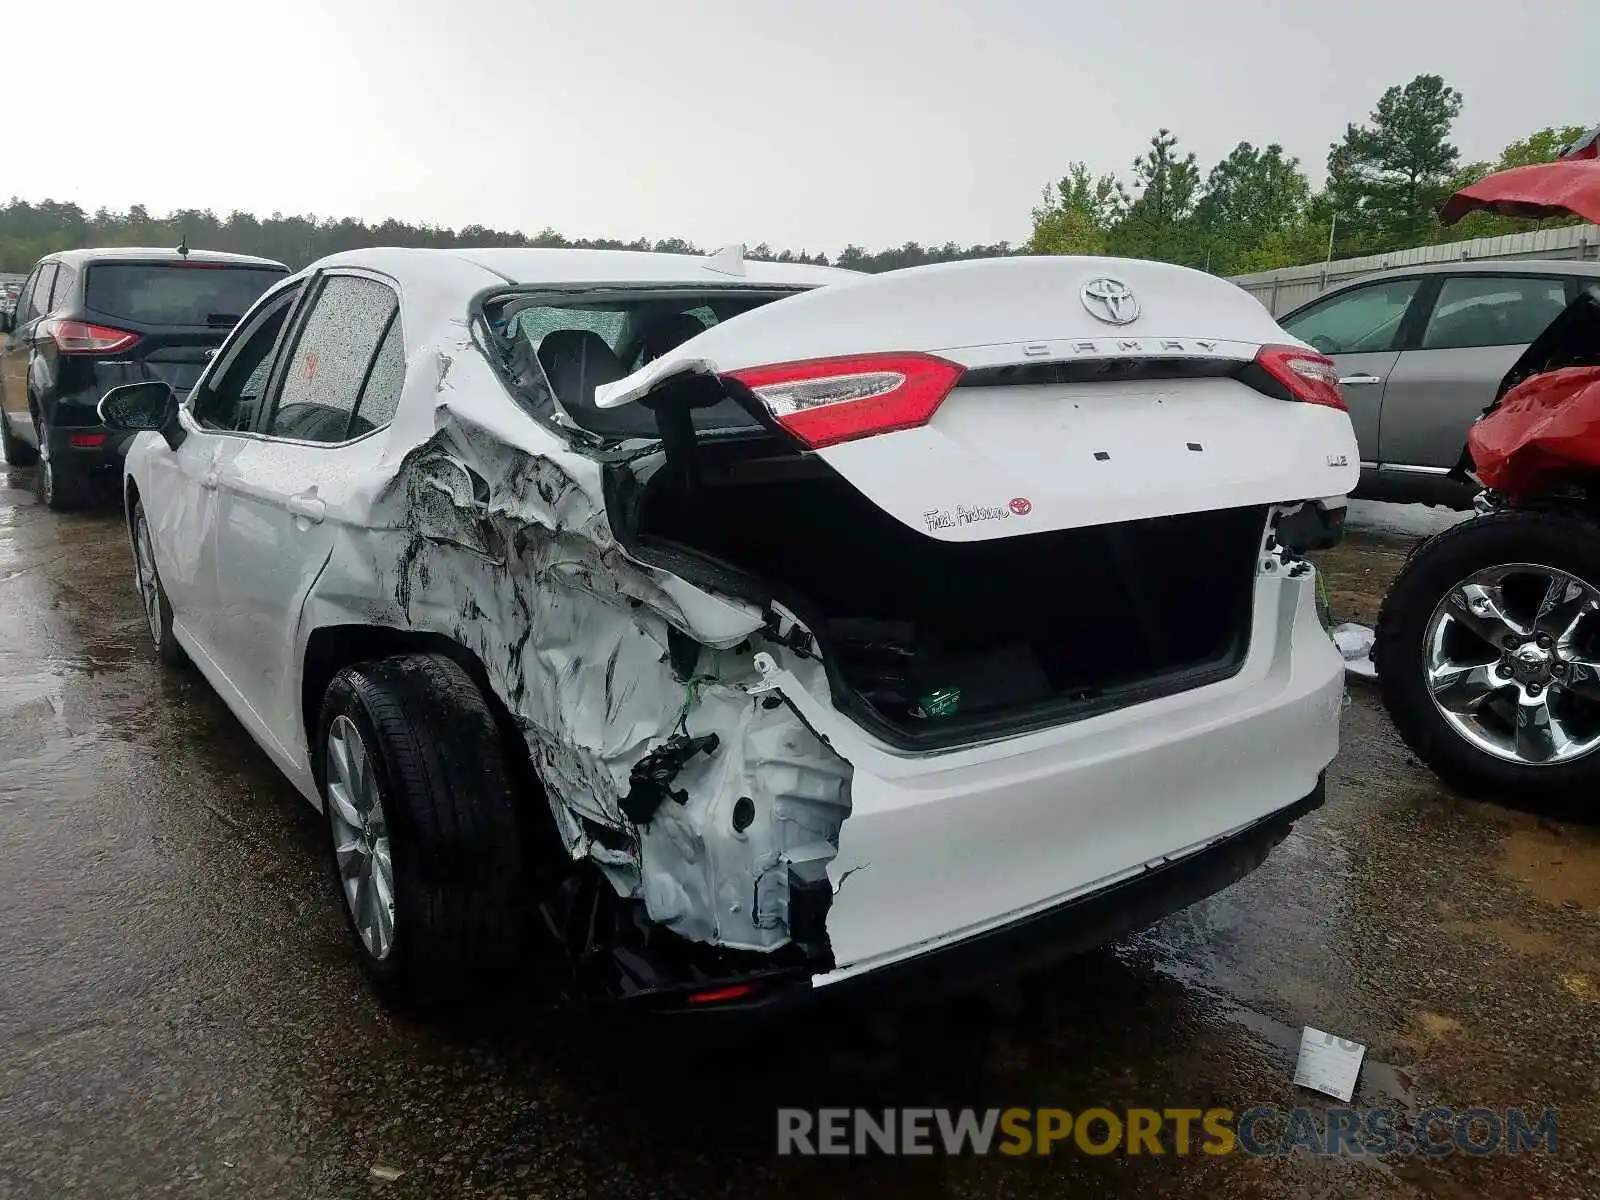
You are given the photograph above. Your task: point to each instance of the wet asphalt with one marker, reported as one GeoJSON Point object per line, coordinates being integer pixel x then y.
{"type": "Point", "coordinates": [180, 1014]}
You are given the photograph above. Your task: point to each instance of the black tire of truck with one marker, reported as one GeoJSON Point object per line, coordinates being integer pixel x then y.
{"type": "Point", "coordinates": [17, 452]}
{"type": "Point", "coordinates": [1550, 537]}
{"type": "Point", "coordinates": [458, 917]}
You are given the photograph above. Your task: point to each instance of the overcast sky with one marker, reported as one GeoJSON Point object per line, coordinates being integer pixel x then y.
{"type": "Point", "coordinates": [803, 123]}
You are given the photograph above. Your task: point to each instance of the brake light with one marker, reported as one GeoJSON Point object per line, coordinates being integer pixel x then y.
{"type": "Point", "coordinates": [1310, 377]}
{"type": "Point", "coordinates": [721, 995]}
{"type": "Point", "coordinates": [87, 441]}
{"type": "Point", "coordinates": [825, 401]}
{"type": "Point", "coordinates": [79, 337]}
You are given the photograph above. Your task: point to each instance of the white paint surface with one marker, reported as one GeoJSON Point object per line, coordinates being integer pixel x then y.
{"type": "Point", "coordinates": [469, 519]}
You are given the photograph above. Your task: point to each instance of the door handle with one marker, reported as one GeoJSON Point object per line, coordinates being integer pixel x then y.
{"type": "Point", "coordinates": [308, 508]}
{"type": "Point", "coordinates": [1361, 377]}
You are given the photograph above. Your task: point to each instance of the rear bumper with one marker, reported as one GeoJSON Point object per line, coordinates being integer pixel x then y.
{"type": "Point", "coordinates": [1029, 943]}
{"type": "Point", "coordinates": [88, 450]}
{"type": "Point", "coordinates": [996, 857]}
{"type": "Point", "coordinates": [941, 848]}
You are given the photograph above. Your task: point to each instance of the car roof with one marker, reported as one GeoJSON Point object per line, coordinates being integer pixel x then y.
{"type": "Point", "coordinates": [152, 254]}
{"type": "Point", "coordinates": [1483, 266]}
{"type": "Point", "coordinates": [520, 265]}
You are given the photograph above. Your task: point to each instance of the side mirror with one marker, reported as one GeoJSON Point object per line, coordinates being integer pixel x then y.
{"type": "Point", "coordinates": [141, 407]}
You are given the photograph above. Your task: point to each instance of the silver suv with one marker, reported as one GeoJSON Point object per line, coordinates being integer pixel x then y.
{"type": "Point", "coordinates": [1421, 351]}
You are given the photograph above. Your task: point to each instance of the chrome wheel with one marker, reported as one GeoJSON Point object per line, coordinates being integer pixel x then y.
{"type": "Point", "coordinates": [360, 837]}
{"type": "Point", "coordinates": [1512, 662]}
{"type": "Point", "coordinates": [144, 577]}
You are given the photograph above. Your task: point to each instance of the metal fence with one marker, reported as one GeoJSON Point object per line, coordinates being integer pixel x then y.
{"type": "Point", "coordinates": [1290, 287]}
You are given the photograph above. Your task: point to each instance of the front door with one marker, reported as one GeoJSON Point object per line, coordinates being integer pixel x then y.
{"type": "Point", "coordinates": [1360, 329]}
{"type": "Point", "coordinates": [180, 496]}
{"type": "Point", "coordinates": [287, 493]}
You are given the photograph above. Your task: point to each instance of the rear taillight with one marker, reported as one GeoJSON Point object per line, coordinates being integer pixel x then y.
{"type": "Point", "coordinates": [1309, 376]}
{"type": "Point", "coordinates": [824, 401]}
{"type": "Point", "coordinates": [87, 441]}
{"type": "Point", "coordinates": [721, 995]}
{"type": "Point", "coordinates": [79, 337]}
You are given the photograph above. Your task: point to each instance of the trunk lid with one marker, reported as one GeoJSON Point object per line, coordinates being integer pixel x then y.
{"type": "Point", "coordinates": [1092, 391]}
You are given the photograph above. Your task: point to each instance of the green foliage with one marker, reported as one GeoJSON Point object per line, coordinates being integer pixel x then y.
{"type": "Point", "coordinates": [1076, 213]}
{"type": "Point", "coordinates": [1253, 199]}
{"type": "Point", "coordinates": [1255, 211]}
{"type": "Point", "coordinates": [1157, 223]}
{"type": "Point", "coordinates": [29, 231]}
{"type": "Point", "coordinates": [1387, 178]}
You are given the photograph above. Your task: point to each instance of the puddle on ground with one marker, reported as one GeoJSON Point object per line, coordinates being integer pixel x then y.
{"type": "Point", "coordinates": [1379, 1084]}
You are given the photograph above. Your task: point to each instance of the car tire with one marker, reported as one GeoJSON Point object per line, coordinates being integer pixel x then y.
{"type": "Point", "coordinates": [55, 486]}
{"type": "Point", "coordinates": [1409, 644]}
{"type": "Point", "coordinates": [17, 452]}
{"type": "Point", "coordinates": [152, 594]}
{"type": "Point", "coordinates": [435, 802]}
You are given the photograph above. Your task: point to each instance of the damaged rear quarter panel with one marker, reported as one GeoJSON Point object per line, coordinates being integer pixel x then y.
{"type": "Point", "coordinates": [488, 529]}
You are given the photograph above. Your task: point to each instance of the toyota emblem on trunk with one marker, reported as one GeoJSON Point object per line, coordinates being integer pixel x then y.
{"type": "Point", "coordinates": [1110, 300]}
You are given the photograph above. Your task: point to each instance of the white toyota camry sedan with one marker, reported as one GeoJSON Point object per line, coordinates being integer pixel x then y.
{"type": "Point", "coordinates": [750, 631]}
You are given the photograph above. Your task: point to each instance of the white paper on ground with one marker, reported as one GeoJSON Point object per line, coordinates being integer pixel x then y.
{"type": "Point", "coordinates": [1355, 643]}
{"type": "Point", "coordinates": [1328, 1064]}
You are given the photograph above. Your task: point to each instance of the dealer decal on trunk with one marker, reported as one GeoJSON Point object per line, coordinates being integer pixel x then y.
{"type": "Point", "coordinates": [962, 514]}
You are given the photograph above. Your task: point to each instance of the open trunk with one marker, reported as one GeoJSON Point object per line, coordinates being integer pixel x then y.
{"type": "Point", "coordinates": [929, 642]}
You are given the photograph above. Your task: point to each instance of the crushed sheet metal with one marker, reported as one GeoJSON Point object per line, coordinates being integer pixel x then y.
{"type": "Point", "coordinates": [488, 544]}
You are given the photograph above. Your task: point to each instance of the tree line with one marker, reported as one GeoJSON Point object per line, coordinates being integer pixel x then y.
{"type": "Point", "coordinates": [28, 231]}
{"type": "Point", "coordinates": [1253, 211]}
{"type": "Point", "coordinates": [1256, 211]}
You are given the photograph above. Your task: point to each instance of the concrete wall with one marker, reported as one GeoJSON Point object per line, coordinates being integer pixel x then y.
{"type": "Point", "coordinates": [1290, 287]}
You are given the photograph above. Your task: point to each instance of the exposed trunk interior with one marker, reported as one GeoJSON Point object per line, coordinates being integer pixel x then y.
{"type": "Point", "coordinates": [933, 642]}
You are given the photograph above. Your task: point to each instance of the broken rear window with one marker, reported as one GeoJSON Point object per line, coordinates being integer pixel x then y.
{"type": "Point", "coordinates": [582, 344]}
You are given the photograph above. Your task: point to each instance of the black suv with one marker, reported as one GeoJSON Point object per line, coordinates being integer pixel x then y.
{"type": "Point", "coordinates": [88, 320]}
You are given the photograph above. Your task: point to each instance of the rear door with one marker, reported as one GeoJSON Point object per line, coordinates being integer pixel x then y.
{"type": "Point", "coordinates": [1090, 391]}
{"type": "Point", "coordinates": [287, 491]}
{"type": "Point", "coordinates": [1476, 328]}
{"type": "Point", "coordinates": [1361, 329]}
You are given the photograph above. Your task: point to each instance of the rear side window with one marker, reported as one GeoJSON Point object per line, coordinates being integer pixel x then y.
{"type": "Point", "coordinates": [381, 396]}
{"type": "Point", "coordinates": [578, 347]}
{"type": "Point", "coordinates": [1493, 310]}
{"type": "Point", "coordinates": [1361, 320]}
{"type": "Point", "coordinates": [343, 378]}
{"type": "Point", "coordinates": [66, 280]}
{"type": "Point", "coordinates": [175, 293]}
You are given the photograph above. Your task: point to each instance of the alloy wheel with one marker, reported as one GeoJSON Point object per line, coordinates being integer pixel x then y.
{"type": "Point", "coordinates": [360, 837]}
{"type": "Point", "coordinates": [1511, 658]}
{"type": "Point", "coordinates": [145, 578]}
{"type": "Point", "coordinates": [44, 483]}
